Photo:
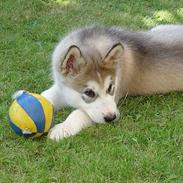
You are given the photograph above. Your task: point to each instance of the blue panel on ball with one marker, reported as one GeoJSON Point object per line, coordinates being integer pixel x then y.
{"type": "Point", "coordinates": [17, 130]}
{"type": "Point", "coordinates": [33, 108]}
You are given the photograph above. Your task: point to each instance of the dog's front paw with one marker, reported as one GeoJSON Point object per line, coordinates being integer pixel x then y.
{"type": "Point", "coordinates": [59, 132]}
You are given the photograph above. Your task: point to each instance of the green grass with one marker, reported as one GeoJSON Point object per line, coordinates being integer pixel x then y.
{"type": "Point", "coordinates": [146, 145]}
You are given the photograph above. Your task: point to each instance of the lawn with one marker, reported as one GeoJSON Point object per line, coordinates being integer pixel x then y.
{"type": "Point", "coordinates": [145, 145]}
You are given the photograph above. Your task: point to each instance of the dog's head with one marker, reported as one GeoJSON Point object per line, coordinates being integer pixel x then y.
{"type": "Point", "coordinates": [90, 84]}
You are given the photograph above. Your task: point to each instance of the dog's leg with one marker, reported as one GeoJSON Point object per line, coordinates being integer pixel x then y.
{"type": "Point", "coordinates": [74, 123]}
{"type": "Point", "coordinates": [53, 95]}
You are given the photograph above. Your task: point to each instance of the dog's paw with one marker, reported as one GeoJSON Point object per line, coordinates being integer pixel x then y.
{"type": "Point", "coordinates": [59, 132]}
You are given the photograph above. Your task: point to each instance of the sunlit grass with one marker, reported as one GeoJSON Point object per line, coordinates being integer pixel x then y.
{"type": "Point", "coordinates": [64, 2]}
{"type": "Point", "coordinates": [150, 22]}
{"type": "Point", "coordinates": [164, 15]}
{"type": "Point", "coordinates": [180, 12]}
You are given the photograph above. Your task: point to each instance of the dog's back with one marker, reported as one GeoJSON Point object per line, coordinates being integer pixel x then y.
{"type": "Point", "coordinates": [157, 62]}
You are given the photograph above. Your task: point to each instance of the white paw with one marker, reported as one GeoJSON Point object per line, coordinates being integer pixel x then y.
{"type": "Point", "coordinates": [59, 132]}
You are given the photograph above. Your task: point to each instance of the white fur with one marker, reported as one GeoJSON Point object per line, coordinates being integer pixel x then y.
{"type": "Point", "coordinates": [64, 96]}
{"type": "Point", "coordinates": [168, 34]}
{"type": "Point", "coordinates": [166, 28]}
{"type": "Point", "coordinates": [61, 96]}
{"type": "Point", "coordinates": [103, 105]}
{"type": "Point", "coordinates": [75, 122]}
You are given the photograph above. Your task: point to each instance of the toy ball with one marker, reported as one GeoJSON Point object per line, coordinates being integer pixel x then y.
{"type": "Point", "coordinates": [30, 115]}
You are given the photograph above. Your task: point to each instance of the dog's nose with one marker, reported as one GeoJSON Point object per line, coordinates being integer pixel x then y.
{"type": "Point", "coordinates": [110, 117]}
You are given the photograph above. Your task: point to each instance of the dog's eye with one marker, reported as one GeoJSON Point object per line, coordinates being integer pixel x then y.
{"type": "Point", "coordinates": [110, 89]}
{"type": "Point", "coordinates": [90, 93]}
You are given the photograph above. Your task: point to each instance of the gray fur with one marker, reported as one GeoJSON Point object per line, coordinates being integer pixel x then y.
{"type": "Point", "coordinates": [145, 44]}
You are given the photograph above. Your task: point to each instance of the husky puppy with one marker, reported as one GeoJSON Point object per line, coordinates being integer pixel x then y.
{"type": "Point", "coordinates": [94, 67]}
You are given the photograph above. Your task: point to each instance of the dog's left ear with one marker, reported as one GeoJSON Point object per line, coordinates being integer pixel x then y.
{"type": "Point", "coordinates": [73, 61]}
{"type": "Point", "coordinates": [113, 56]}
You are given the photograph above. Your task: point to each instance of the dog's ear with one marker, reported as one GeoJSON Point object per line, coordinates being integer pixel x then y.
{"type": "Point", "coordinates": [73, 61]}
{"type": "Point", "coordinates": [113, 56]}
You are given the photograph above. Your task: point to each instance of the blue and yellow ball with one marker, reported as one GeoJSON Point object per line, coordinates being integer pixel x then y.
{"type": "Point", "coordinates": [31, 115]}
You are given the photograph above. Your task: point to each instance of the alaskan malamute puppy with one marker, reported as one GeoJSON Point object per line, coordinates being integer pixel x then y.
{"type": "Point", "coordinates": [94, 67]}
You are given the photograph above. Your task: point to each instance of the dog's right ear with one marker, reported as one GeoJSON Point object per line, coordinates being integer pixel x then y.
{"type": "Point", "coordinates": [73, 61]}
{"type": "Point", "coordinates": [113, 56]}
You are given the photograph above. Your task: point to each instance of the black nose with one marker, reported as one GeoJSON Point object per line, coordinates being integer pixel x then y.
{"type": "Point", "coordinates": [110, 117]}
